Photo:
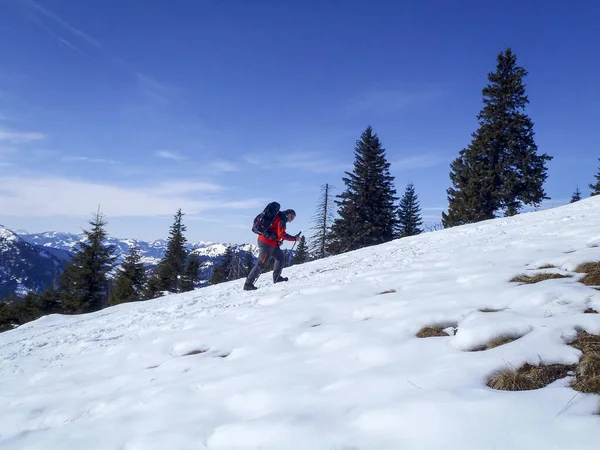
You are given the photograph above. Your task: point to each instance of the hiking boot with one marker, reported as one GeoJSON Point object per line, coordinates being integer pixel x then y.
{"type": "Point", "coordinates": [280, 279]}
{"type": "Point", "coordinates": [249, 287]}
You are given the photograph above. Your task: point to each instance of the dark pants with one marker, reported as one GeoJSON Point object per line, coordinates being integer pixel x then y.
{"type": "Point", "coordinates": [266, 252]}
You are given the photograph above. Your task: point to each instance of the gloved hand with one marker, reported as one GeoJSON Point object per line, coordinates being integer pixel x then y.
{"type": "Point", "coordinates": [298, 236]}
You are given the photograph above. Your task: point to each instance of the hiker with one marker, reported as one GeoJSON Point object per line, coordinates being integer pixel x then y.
{"type": "Point", "coordinates": [268, 243]}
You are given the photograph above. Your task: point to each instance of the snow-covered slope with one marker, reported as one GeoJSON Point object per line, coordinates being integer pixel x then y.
{"type": "Point", "coordinates": [330, 359]}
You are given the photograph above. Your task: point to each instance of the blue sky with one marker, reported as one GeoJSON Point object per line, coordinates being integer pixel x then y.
{"type": "Point", "coordinates": [218, 107]}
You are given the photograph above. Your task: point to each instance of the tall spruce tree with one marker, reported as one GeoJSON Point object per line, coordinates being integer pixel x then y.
{"type": "Point", "coordinates": [84, 283]}
{"type": "Point", "coordinates": [367, 214]}
{"type": "Point", "coordinates": [576, 195]}
{"type": "Point", "coordinates": [500, 170]}
{"type": "Point", "coordinates": [191, 275]}
{"type": "Point", "coordinates": [301, 255]}
{"type": "Point", "coordinates": [409, 213]}
{"type": "Point", "coordinates": [167, 275]}
{"type": "Point", "coordinates": [322, 220]}
{"type": "Point", "coordinates": [131, 280]}
{"type": "Point", "coordinates": [596, 187]}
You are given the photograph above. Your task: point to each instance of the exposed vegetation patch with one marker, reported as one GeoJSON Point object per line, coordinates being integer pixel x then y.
{"type": "Point", "coordinates": [497, 342]}
{"type": "Point", "coordinates": [531, 279]}
{"type": "Point", "coordinates": [389, 291]}
{"type": "Point", "coordinates": [587, 375]}
{"type": "Point", "coordinates": [592, 273]}
{"type": "Point", "coordinates": [489, 310]}
{"type": "Point", "coordinates": [547, 266]}
{"type": "Point", "coordinates": [590, 311]}
{"type": "Point", "coordinates": [433, 331]}
{"type": "Point", "coordinates": [224, 355]}
{"type": "Point", "coordinates": [529, 377]}
{"type": "Point", "coordinates": [196, 352]}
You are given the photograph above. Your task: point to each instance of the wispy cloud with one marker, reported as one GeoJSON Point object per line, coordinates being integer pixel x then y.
{"type": "Point", "coordinates": [34, 6]}
{"type": "Point", "coordinates": [389, 100]}
{"type": "Point", "coordinates": [14, 137]}
{"type": "Point", "coordinates": [222, 166]}
{"type": "Point", "coordinates": [169, 155]}
{"type": "Point", "coordinates": [421, 161]}
{"type": "Point", "coordinates": [313, 162]}
{"type": "Point", "coordinates": [186, 186]}
{"type": "Point", "coordinates": [45, 196]}
{"type": "Point", "coordinates": [86, 159]}
{"type": "Point", "coordinates": [82, 42]}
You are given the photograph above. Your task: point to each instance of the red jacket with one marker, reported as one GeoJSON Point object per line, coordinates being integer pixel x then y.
{"type": "Point", "coordinates": [276, 233]}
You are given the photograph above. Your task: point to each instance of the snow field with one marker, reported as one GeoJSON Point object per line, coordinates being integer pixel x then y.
{"type": "Point", "coordinates": [327, 360]}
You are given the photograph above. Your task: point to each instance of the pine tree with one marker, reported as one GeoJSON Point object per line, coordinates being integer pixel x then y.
{"type": "Point", "coordinates": [221, 271]}
{"type": "Point", "coordinates": [596, 187]}
{"type": "Point", "coordinates": [322, 220]}
{"type": "Point", "coordinates": [500, 169]}
{"type": "Point", "coordinates": [191, 275]}
{"type": "Point", "coordinates": [131, 280]}
{"type": "Point", "coordinates": [84, 283]}
{"type": "Point", "coordinates": [171, 268]}
{"type": "Point", "coordinates": [409, 213]}
{"type": "Point", "coordinates": [235, 269]}
{"type": "Point", "coordinates": [301, 256]}
{"type": "Point", "coordinates": [576, 195]}
{"type": "Point", "coordinates": [367, 215]}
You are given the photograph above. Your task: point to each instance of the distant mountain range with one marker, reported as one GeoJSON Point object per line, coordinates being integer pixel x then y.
{"type": "Point", "coordinates": [24, 266]}
{"type": "Point", "coordinates": [29, 262]}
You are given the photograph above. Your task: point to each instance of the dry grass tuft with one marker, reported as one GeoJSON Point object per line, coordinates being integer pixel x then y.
{"type": "Point", "coordinates": [531, 279]}
{"type": "Point", "coordinates": [496, 342]}
{"type": "Point", "coordinates": [590, 311]}
{"type": "Point", "coordinates": [587, 376]}
{"type": "Point", "coordinates": [224, 355]}
{"type": "Point", "coordinates": [196, 352]}
{"type": "Point", "coordinates": [589, 366]}
{"type": "Point", "coordinates": [586, 342]}
{"type": "Point", "coordinates": [501, 340]}
{"type": "Point", "coordinates": [592, 273]}
{"type": "Point", "coordinates": [426, 332]}
{"type": "Point", "coordinates": [546, 266]}
{"type": "Point", "coordinates": [489, 310]}
{"type": "Point", "coordinates": [389, 291]}
{"type": "Point", "coordinates": [587, 267]}
{"type": "Point", "coordinates": [528, 377]}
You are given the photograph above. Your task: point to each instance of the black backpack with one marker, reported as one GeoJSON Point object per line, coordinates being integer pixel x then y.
{"type": "Point", "coordinates": [263, 221]}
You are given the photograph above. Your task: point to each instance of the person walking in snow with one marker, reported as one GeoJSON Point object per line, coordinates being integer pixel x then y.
{"type": "Point", "coordinates": [268, 244]}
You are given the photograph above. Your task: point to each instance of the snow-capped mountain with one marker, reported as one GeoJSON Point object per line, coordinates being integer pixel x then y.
{"type": "Point", "coordinates": [151, 252]}
{"type": "Point", "coordinates": [209, 253]}
{"type": "Point", "coordinates": [403, 345]}
{"type": "Point", "coordinates": [24, 266]}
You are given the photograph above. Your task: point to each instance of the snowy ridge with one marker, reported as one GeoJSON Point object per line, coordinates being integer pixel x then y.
{"type": "Point", "coordinates": [330, 359]}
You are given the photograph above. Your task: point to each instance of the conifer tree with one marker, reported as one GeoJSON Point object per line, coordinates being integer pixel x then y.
{"type": "Point", "coordinates": [596, 187]}
{"type": "Point", "coordinates": [221, 271]}
{"type": "Point", "coordinates": [130, 283]}
{"type": "Point", "coordinates": [170, 270]}
{"type": "Point", "coordinates": [301, 256]}
{"type": "Point", "coordinates": [409, 213]}
{"type": "Point", "coordinates": [500, 170]}
{"type": "Point", "coordinates": [322, 220]}
{"type": "Point", "coordinates": [191, 275]}
{"type": "Point", "coordinates": [84, 283]}
{"type": "Point", "coordinates": [367, 215]}
{"type": "Point", "coordinates": [576, 195]}
{"type": "Point", "coordinates": [235, 269]}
